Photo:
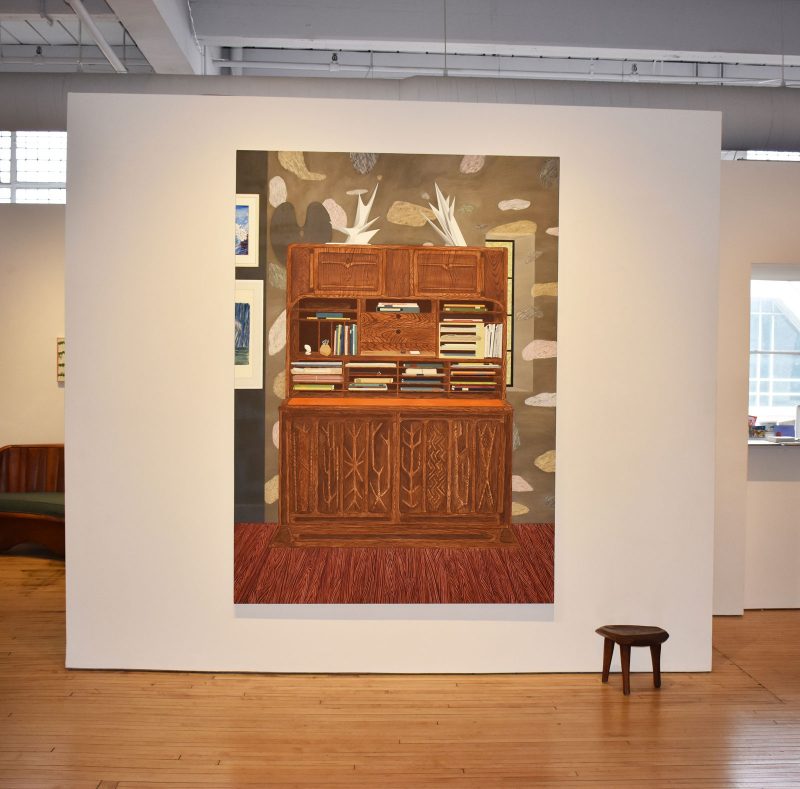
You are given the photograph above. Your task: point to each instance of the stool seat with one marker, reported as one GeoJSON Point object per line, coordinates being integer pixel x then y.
{"type": "Point", "coordinates": [628, 636]}
{"type": "Point", "coordinates": [635, 635]}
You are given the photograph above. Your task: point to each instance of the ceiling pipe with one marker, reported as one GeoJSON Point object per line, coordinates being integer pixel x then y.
{"type": "Point", "coordinates": [433, 71]}
{"type": "Point", "coordinates": [94, 31]}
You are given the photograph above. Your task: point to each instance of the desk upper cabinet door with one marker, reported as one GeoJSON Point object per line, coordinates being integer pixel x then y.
{"type": "Point", "coordinates": [447, 273]}
{"type": "Point", "coordinates": [352, 270]}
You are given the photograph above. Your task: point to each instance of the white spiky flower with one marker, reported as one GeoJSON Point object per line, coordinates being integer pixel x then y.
{"type": "Point", "coordinates": [358, 233]}
{"type": "Point", "coordinates": [445, 213]}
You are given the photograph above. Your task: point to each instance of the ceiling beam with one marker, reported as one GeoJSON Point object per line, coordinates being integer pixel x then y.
{"type": "Point", "coordinates": [57, 10]}
{"type": "Point", "coordinates": [163, 33]}
{"type": "Point", "coordinates": [746, 31]}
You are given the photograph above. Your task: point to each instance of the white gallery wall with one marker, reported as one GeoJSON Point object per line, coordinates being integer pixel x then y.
{"type": "Point", "coordinates": [757, 543]}
{"type": "Point", "coordinates": [31, 317]}
{"type": "Point", "coordinates": [149, 409]}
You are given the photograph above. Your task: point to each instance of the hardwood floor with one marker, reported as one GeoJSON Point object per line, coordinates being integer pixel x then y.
{"type": "Point", "coordinates": [736, 727]}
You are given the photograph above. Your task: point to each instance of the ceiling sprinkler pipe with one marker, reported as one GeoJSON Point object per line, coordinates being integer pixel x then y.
{"type": "Point", "coordinates": [94, 31]}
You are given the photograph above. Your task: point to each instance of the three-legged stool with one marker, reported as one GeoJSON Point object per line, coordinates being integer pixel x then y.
{"type": "Point", "coordinates": [628, 636]}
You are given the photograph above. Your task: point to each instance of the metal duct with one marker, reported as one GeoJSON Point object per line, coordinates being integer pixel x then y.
{"type": "Point", "coordinates": [752, 118]}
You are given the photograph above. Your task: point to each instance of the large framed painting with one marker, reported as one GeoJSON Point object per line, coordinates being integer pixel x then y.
{"type": "Point", "coordinates": [408, 417]}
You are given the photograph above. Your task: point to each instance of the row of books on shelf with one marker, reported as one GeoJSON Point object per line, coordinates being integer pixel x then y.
{"type": "Point", "coordinates": [469, 338]}
{"type": "Point", "coordinates": [379, 376]}
{"type": "Point", "coordinates": [328, 316]}
{"type": "Point", "coordinates": [316, 376]}
{"type": "Point", "coordinates": [397, 306]}
{"type": "Point", "coordinates": [464, 307]}
{"type": "Point", "coordinates": [345, 340]}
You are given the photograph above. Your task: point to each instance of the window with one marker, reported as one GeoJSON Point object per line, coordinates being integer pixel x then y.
{"type": "Point", "coordinates": [774, 349]}
{"type": "Point", "coordinates": [33, 167]}
{"type": "Point", "coordinates": [762, 156]}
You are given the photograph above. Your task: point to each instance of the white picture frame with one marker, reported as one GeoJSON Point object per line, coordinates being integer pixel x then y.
{"type": "Point", "coordinates": [249, 334]}
{"type": "Point", "coordinates": [246, 231]}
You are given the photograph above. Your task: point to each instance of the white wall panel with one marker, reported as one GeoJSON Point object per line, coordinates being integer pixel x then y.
{"type": "Point", "coordinates": [150, 406]}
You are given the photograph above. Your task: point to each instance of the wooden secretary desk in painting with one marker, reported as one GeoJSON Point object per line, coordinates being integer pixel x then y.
{"type": "Point", "coordinates": [395, 428]}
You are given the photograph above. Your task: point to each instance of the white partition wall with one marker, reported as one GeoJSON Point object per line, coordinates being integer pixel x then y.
{"type": "Point", "coordinates": [149, 411]}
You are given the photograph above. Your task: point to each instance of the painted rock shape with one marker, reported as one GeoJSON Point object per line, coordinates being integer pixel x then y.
{"type": "Point", "coordinates": [337, 214]}
{"type": "Point", "coordinates": [516, 440]}
{"type": "Point", "coordinates": [295, 162]}
{"type": "Point", "coordinates": [549, 173]}
{"type": "Point", "coordinates": [357, 191]}
{"type": "Point", "coordinates": [471, 164]}
{"type": "Point", "coordinates": [542, 400]}
{"type": "Point", "coordinates": [545, 289]}
{"type": "Point", "coordinates": [539, 349]}
{"type": "Point", "coordinates": [546, 461]}
{"type": "Point", "coordinates": [403, 213]}
{"type": "Point", "coordinates": [364, 162]}
{"type": "Point", "coordinates": [277, 191]}
{"type": "Point", "coordinates": [517, 204]}
{"type": "Point", "coordinates": [279, 385]}
{"type": "Point", "coordinates": [524, 227]}
{"type": "Point", "coordinates": [276, 339]}
{"type": "Point", "coordinates": [276, 434]}
{"type": "Point", "coordinates": [272, 490]}
{"type": "Point", "coordinates": [519, 509]}
{"type": "Point", "coordinates": [552, 231]}
{"type": "Point", "coordinates": [285, 230]}
{"type": "Point", "coordinates": [519, 484]}
{"type": "Point", "coordinates": [277, 276]}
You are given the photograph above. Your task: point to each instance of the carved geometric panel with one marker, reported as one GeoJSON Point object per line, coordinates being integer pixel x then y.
{"type": "Point", "coordinates": [489, 460]}
{"type": "Point", "coordinates": [411, 466]}
{"type": "Point", "coordinates": [436, 467]}
{"type": "Point", "coordinates": [462, 466]}
{"type": "Point", "coordinates": [302, 466]}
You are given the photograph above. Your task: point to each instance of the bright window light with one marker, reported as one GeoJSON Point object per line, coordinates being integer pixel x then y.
{"type": "Point", "coordinates": [41, 195]}
{"type": "Point", "coordinates": [774, 349]}
{"type": "Point", "coordinates": [761, 156]}
{"type": "Point", "coordinates": [34, 165]}
{"type": "Point", "coordinates": [5, 157]}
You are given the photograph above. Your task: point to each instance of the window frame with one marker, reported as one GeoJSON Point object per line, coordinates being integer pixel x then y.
{"type": "Point", "coordinates": [14, 185]}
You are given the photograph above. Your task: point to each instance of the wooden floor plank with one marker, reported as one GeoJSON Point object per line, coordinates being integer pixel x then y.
{"type": "Point", "coordinates": [735, 728]}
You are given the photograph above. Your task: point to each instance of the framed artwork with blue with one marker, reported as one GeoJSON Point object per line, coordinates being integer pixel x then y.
{"type": "Point", "coordinates": [246, 238]}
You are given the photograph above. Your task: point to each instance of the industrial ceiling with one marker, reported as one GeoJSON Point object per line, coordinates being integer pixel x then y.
{"type": "Point", "coordinates": [753, 43]}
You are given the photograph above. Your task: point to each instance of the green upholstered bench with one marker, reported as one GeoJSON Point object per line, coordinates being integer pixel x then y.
{"type": "Point", "coordinates": [32, 496]}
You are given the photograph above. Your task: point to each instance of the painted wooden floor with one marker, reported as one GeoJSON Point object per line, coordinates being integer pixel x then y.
{"type": "Point", "coordinates": [735, 728]}
{"type": "Point", "coordinates": [266, 573]}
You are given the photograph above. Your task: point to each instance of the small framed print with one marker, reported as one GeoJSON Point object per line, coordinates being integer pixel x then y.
{"type": "Point", "coordinates": [248, 334]}
{"type": "Point", "coordinates": [246, 248]}
{"type": "Point", "coordinates": [60, 359]}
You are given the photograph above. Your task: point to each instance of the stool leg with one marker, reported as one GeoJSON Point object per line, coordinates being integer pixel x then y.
{"type": "Point", "coordinates": [608, 651]}
{"type": "Point", "coordinates": [655, 652]}
{"type": "Point", "coordinates": [625, 654]}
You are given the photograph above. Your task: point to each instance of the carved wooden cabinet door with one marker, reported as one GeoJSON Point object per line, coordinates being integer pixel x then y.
{"type": "Point", "coordinates": [339, 466]}
{"type": "Point", "coordinates": [452, 466]}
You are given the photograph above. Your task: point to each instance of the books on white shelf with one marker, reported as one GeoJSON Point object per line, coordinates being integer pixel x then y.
{"type": "Point", "coordinates": [469, 338]}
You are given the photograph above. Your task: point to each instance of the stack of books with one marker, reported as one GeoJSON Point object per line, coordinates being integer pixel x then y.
{"type": "Point", "coordinates": [345, 340]}
{"type": "Point", "coordinates": [316, 376]}
{"type": "Point", "coordinates": [466, 377]}
{"type": "Point", "coordinates": [469, 338]}
{"type": "Point", "coordinates": [422, 377]}
{"type": "Point", "coordinates": [370, 376]}
{"type": "Point", "coordinates": [327, 316]}
{"type": "Point", "coordinates": [397, 306]}
{"type": "Point", "coordinates": [463, 307]}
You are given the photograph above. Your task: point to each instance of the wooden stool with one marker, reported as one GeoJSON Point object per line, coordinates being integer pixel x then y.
{"type": "Point", "coordinates": [628, 636]}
